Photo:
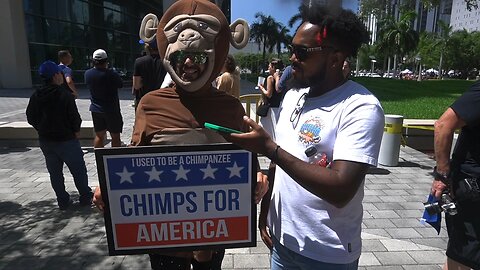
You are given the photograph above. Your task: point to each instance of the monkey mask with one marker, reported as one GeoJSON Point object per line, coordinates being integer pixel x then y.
{"type": "Point", "coordinates": [193, 38]}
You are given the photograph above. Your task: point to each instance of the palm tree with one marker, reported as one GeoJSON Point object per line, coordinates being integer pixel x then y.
{"type": "Point", "coordinates": [398, 36]}
{"type": "Point", "coordinates": [443, 40]}
{"type": "Point", "coordinates": [295, 18]}
{"type": "Point", "coordinates": [283, 38]}
{"type": "Point", "coordinates": [264, 32]}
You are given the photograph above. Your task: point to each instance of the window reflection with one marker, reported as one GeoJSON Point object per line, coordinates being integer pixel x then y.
{"type": "Point", "coordinates": [82, 26]}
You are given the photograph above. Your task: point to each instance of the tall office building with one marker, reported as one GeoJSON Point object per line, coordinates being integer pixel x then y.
{"type": "Point", "coordinates": [35, 30]}
{"type": "Point", "coordinates": [427, 19]}
{"type": "Point", "coordinates": [462, 18]}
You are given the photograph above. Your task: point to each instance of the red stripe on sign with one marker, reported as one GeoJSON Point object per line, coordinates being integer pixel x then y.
{"type": "Point", "coordinates": [182, 232]}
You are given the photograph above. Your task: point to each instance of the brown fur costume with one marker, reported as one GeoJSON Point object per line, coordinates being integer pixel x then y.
{"type": "Point", "coordinates": [177, 115]}
{"type": "Point", "coordinates": [184, 107]}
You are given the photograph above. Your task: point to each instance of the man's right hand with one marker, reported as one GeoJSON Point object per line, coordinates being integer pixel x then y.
{"type": "Point", "coordinates": [257, 140]}
{"type": "Point", "coordinates": [97, 199]}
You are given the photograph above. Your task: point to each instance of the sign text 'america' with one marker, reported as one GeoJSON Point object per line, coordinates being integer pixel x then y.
{"type": "Point", "coordinates": [176, 199]}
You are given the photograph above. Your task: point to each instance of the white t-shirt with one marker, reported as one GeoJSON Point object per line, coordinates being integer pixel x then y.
{"type": "Point", "coordinates": [346, 124]}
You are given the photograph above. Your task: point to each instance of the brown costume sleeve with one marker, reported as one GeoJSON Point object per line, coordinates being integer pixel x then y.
{"type": "Point", "coordinates": [165, 108]}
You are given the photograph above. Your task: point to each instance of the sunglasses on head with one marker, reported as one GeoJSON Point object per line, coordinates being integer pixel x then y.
{"type": "Point", "coordinates": [197, 57]}
{"type": "Point", "coordinates": [295, 116]}
{"type": "Point", "coordinates": [301, 53]}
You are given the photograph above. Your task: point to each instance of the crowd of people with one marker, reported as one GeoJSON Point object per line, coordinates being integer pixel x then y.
{"type": "Point", "coordinates": [311, 212]}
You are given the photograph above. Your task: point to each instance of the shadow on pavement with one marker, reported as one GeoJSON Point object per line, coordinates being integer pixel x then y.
{"type": "Point", "coordinates": [379, 171]}
{"type": "Point", "coordinates": [409, 164]}
{"type": "Point", "coordinates": [8, 150]}
{"type": "Point", "coordinates": [38, 235]}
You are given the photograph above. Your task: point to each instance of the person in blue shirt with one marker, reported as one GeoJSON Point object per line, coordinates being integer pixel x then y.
{"type": "Point", "coordinates": [65, 59]}
{"type": "Point", "coordinates": [103, 84]}
{"type": "Point", "coordinates": [285, 78]}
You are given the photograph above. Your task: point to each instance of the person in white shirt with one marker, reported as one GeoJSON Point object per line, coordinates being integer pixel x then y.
{"type": "Point", "coordinates": [315, 212]}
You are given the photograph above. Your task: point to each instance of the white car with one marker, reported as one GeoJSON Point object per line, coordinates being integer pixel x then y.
{"type": "Point", "coordinates": [388, 75]}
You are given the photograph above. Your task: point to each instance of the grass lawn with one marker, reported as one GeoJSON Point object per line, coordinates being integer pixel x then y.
{"type": "Point", "coordinates": [412, 99]}
{"type": "Point", "coordinates": [427, 99]}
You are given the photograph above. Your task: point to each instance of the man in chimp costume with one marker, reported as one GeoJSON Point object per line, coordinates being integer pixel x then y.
{"type": "Point", "coordinates": [193, 39]}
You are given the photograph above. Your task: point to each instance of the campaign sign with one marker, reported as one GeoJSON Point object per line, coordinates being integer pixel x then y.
{"type": "Point", "coordinates": [173, 198]}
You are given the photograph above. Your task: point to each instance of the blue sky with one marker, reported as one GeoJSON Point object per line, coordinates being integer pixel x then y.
{"type": "Point", "coordinates": [281, 10]}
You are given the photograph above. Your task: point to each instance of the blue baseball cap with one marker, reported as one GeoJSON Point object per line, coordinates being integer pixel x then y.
{"type": "Point", "coordinates": [48, 68]}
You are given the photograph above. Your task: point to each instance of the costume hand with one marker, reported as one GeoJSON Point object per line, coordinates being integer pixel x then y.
{"type": "Point", "coordinates": [97, 199]}
{"type": "Point", "coordinates": [257, 140]}
{"type": "Point", "coordinates": [262, 226]}
{"type": "Point", "coordinates": [437, 188]}
{"type": "Point", "coordinates": [262, 186]}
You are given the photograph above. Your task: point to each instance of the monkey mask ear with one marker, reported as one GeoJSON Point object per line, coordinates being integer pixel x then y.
{"type": "Point", "coordinates": [240, 33]}
{"type": "Point", "coordinates": [148, 28]}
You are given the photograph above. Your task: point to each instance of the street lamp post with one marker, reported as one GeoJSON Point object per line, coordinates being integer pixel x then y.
{"type": "Point", "coordinates": [373, 66]}
{"type": "Point", "coordinates": [372, 59]}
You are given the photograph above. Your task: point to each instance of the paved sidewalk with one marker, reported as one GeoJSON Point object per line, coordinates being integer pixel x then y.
{"type": "Point", "coordinates": [34, 234]}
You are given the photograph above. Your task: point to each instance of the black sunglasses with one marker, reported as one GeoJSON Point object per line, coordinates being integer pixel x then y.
{"type": "Point", "coordinates": [301, 53]}
{"type": "Point", "coordinates": [196, 57]}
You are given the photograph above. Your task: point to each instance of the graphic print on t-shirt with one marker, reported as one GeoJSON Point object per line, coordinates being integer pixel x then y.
{"type": "Point", "coordinates": [310, 131]}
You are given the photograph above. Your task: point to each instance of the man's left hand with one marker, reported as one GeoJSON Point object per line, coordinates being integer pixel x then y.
{"type": "Point", "coordinates": [262, 186]}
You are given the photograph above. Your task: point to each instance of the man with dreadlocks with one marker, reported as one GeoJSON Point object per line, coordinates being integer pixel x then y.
{"type": "Point", "coordinates": [315, 210]}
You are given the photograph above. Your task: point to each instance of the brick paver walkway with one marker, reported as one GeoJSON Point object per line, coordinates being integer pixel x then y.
{"type": "Point", "coordinates": [34, 234]}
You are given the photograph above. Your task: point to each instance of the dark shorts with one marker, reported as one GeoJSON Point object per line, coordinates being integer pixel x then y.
{"type": "Point", "coordinates": [111, 121]}
{"type": "Point", "coordinates": [464, 235]}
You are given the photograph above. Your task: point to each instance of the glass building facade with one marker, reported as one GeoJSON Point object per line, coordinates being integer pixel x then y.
{"type": "Point", "coordinates": [82, 26]}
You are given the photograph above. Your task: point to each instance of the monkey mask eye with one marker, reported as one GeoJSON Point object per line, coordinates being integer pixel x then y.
{"type": "Point", "coordinates": [178, 27]}
{"type": "Point", "coordinates": [202, 25]}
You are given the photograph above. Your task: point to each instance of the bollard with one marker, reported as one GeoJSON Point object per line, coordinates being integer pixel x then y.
{"type": "Point", "coordinates": [391, 139]}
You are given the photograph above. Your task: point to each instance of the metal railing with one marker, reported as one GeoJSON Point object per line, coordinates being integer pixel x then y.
{"type": "Point", "coordinates": [248, 100]}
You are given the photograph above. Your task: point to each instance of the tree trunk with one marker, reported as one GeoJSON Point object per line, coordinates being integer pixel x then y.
{"type": "Point", "coordinates": [388, 65]}
{"type": "Point", "coordinates": [440, 74]}
{"type": "Point", "coordinates": [357, 67]}
{"type": "Point", "coordinates": [395, 65]}
{"type": "Point", "coordinates": [263, 52]}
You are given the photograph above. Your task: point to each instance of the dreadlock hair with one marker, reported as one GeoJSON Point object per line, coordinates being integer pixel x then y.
{"type": "Point", "coordinates": [339, 26]}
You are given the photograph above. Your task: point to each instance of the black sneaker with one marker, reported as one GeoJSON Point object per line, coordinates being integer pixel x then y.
{"type": "Point", "coordinates": [65, 206]}
{"type": "Point", "coordinates": [86, 200]}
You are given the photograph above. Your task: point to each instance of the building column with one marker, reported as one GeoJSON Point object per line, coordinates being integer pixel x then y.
{"type": "Point", "coordinates": [15, 64]}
